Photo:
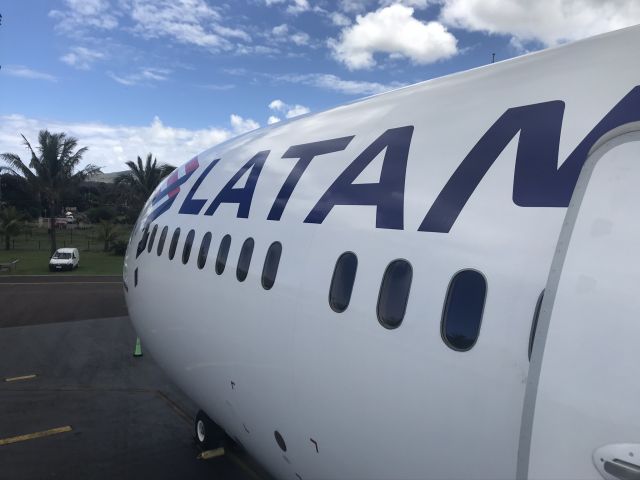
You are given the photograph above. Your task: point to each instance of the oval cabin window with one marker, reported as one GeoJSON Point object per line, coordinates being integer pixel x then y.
{"type": "Point", "coordinates": [394, 293]}
{"type": "Point", "coordinates": [223, 252]}
{"type": "Point", "coordinates": [271, 262]}
{"type": "Point", "coordinates": [245, 259]}
{"type": "Point", "coordinates": [174, 243]}
{"type": "Point", "coordinates": [534, 323]}
{"type": "Point", "coordinates": [463, 310]}
{"type": "Point", "coordinates": [163, 237]}
{"type": "Point", "coordinates": [204, 250]}
{"type": "Point", "coordinates": [188, 243]}
{"type": "Point", "coordinates": [142, 244]}
{"type": "Point", "coordinates": [344, 276]}
{"type": "Point", "coordinates": [152, 238]}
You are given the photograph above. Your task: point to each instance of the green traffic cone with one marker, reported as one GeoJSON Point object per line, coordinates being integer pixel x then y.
{"type": "Point", "coordinates": [137, 352]}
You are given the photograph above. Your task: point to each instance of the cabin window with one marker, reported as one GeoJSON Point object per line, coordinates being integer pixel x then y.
{"type": "Point", "coordinates": [204, 250]}
{"type": "Point", "coordinates": [344, 276]}
{"type": "Point", "coordinates": [161, 240]}
{"type": "Point", "coordinates": [394, 293]}
{"type": "Point", "coordinates": [223, 252]}
{"type": "Point", "coordinates": [462, 314]}
{"type": "Point", "coordinates": [188, 243]}
{"type": "Point", "coordinates": [245, 259]}
{"type": "Point", "coordinates": [534, 324]}
{"type": "Point", "coordinates": [271, 262]}
{"type": "Point", "coordinates": [174, 243]}
{"type": "Point", "coordinates": [142, 244]}
{"type": "Point", "coordinates": [152, 238]}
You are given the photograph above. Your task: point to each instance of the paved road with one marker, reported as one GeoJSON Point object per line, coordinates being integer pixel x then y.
{"type": "Point", "coordinates": [32, 300]}
{"type": "Point", "coordinates": [126, 419]}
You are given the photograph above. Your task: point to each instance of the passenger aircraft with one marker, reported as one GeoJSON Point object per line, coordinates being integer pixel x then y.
{"type": "Point", "coordinates": [442, 281]}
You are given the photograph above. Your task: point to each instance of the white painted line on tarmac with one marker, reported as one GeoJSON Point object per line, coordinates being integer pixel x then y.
{"type": "Point", "coordinates": [22, 377]}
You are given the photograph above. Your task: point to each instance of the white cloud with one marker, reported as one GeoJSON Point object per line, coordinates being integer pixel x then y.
{"type": "Point", "coordinates": [325, 81]}
{"type": "Point", "coordinates": [281, 34]}
{"type": "Point", "coordinates": [272, 119]}
{"type": "Point", "coordinates": [395, 31]}
{"type": "Point", "coordinates": [298, 6]}
{"type": "Point", "coordinates": [419, 4]}
{"type": "Point", "coordinates": [242, 125]}
{"type": "Point", "coordinates": [83, 14]}
{"type": "Point", "coordinates": [112, 145]}
{"type": "Point", "coordinates": [26, 72]}
{"type": "Point", "coordinates": [280, 30]}
{"type": "Point", "coordinates": [289, 111]}
{"type": "Point", "coordinates": [81, 57]}
{"type": "Point", "coordinates": [332, 82]}
{"type": "Point", "coordinates": [354, 6]}
{"type": "Point", "coordinates": [548, 21]}
{"type": "Point", "coordinates": [277, 105]}
{"type": "Point", "coordinates": [145, 76]}
{"type": "Point", "coordinates": [300, 38]}
{"type": "Point", "coordinates": [192, 22]}
{"type": "Point", "coordinates": [339, 19]}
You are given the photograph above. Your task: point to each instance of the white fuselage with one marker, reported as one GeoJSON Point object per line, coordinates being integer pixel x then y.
{"type": "Point", "coordinates": [351, 398]}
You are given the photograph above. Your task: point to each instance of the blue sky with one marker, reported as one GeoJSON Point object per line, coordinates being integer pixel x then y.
{"type": "Point", "coordinates": [177, 76]}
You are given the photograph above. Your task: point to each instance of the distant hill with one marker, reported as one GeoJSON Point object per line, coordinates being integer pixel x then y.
{"type": "Point", "coordinates": [105, 177]}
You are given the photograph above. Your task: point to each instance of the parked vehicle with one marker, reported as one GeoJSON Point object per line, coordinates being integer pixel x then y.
{"type": "Point", "coordinates": [64, 259]}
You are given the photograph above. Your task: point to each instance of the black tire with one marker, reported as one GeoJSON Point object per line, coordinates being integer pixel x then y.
{"type": "Point", "coordinates": [204, 431]}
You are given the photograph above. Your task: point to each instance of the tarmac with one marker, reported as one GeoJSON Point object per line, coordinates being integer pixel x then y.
{"type": "Point", "coordinates": [76, 403]}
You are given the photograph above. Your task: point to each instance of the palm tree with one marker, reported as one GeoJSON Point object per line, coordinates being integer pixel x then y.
{"type": "Point", "coordinates": [10, 225]}
{"type": "Point", "coordinates": [143, 178]}
{"type": "Point", "coordinates": [51, 172]}
{"type": "Point", "coordinates": [108, 233]}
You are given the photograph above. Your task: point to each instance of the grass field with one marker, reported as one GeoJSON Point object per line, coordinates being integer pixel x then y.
{"type": "Point", "coordinates": [36, 262]}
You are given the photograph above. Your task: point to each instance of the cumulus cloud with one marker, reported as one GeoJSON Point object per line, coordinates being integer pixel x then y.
{"type": "Point", "coordinates": [288, 110]}
{"type": "Point", "coordinates": [242, 125]}
{"type": "Point", "coordinates": [272, 119]}
{"type": "Point", "coordinates": [395, 31]}
{"type": "Point", "coordinates": [81, 57]}
{"type": "Point", "coordinates": [547, 21]}
{"type": "Point", "coordinates": [144, 76]}
{"type": "Point", "coordinates": [112, 145]}
{"type": "Point", "coordinates": [26, 72]}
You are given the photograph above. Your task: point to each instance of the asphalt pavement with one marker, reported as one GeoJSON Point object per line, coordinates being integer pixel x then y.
{"type": "Point", "coordinates": [75, 403]}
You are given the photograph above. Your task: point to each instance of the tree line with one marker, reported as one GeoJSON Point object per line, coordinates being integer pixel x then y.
{"type": "Point", "coordinates": [50, 178]}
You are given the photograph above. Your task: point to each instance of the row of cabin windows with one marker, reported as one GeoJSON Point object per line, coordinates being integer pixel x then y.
{"type": "Point", "coordinates": [462, 313]}
{"type": "Point", "coordinates": [463, 307]}
{"type": "Point", "coordinates": [269, 270]}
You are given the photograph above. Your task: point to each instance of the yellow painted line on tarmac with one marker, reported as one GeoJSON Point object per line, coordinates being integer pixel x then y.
{"type": "Point", "coordinates": [31, 436]}
{"type": "Point", "coordinates": [207, 454]}
{"type": "Point", "coordinates": [22, 377]}
{"type": "Point", "coordinates": [61, 283]}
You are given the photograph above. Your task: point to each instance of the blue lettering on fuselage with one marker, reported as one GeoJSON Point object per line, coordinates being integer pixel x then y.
{"type": "Point", "coordinates": [537, 181]}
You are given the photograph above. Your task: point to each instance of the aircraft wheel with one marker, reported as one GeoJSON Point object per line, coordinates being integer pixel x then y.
{"type": "Point", "coordinates": [204, 430]}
